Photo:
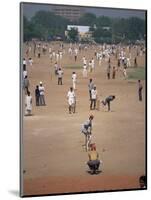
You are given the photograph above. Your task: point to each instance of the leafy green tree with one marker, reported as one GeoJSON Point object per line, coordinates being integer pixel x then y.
{"type": "Point", "coordinates": [87, 19]}
{"type": "Point", "coordinates": [101, 35]}
{"type": "Point", "coordinates": [46, 24]}
{"type": "Point", "coordinates": [73, 34]}
{"type": "Point", "coordinates": [103, 21]}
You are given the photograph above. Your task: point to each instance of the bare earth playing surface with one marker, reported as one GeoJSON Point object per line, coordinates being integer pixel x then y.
{"type": "Point", "coordinates": [54, 158]}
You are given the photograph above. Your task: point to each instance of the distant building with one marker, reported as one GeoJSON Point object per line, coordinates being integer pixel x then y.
{"type": "Point", "coordinates": [107, 28]}
{"type": "Point", "coordinates": [83, 31]}
{"type": "Point", "coordinates": [69, 12]}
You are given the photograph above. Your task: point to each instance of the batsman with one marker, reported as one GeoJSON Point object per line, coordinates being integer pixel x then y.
{"type": "Point", "coordinates": [87, 131]}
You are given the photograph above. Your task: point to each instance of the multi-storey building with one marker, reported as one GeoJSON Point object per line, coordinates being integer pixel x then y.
{"type": "Point", "coordinates": [70, 12]}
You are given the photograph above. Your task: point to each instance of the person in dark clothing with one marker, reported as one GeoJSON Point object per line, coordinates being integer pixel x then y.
{"type": "Point", "coordinates": [37, 95]}
{"type": "Point", "coordinates": [108, 100]}
{"type": "Point", "coordinates": [38, 54]}
{"type": "Point", "coordinates": [140, 88]}
{"type": "Point", "coordinates": [118, 63]}
{"type": "Point", "coordinates": [26, 84]}
{"type": "Point", "coordinates": [90, 86]}
{"type": "Point", "coordinates": [24, 64]}
{"type": "Point", "coordinates": [113, 73]}
{"type": "Point", "coordinates": [143, 181]}
{"type": "Point", "coordinates": [135, 62]}
{"type": "Point", "coordinates": [108, 71]}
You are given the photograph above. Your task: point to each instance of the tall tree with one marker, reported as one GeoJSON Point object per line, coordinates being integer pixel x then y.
{"type": "Point", "coordinates": [88, 19]}
{"type": "Point", "coordinates": [73, 34]}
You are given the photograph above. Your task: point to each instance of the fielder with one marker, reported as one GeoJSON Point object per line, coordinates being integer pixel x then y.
{"type": "Point", "coordinates": [74, 80]}
{"type": "Point", "coordinates": [28, 104]}
{"type": "Point", "coordinates": [71, 100]}
{"type": "Point", "coordinates": [108, 100]}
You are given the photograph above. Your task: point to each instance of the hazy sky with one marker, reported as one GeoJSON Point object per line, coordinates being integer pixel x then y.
{"type": "Point", "coordinates": [29, 10]}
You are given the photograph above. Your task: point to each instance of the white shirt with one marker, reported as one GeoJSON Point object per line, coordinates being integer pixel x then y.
{"type": "Point", "coordinates": [56, 67]}
{"type": "Point", "coordinates": [24, 73]}
{"type": "Point", "coordinates": [60, 73]}
{"type": "Point", "coordinates": [92, 63]}
{"type": "Point", "coordinates": [29, 102]}
{"type": "Point", "coordinates": [84, 67]}
{"type": "Point", "coordinates": [24, 62]}
{"type": "Point", "coordinates": [74, 77]}
{"type": "Point", "coordinates": [71, 95]}
{"type": "Point", "coordinates": [41, 90]}
{"type": "Point", "coordinates": [94, 94]}
{"type": "Point", "coordinates": [30, 61]}
{"type": "Point", "coordinates": [76, 51]}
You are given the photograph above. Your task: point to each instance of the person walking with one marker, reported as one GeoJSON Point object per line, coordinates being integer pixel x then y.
{"type": "Point", "coordinates": [140, 88]}
{"type": "Point", "coordinates": [135, 62]}
{"type": "Point", "coordinates": [24, 64]}
{"type": "Point", "coordinates": [71, 100]}
{"type": "Point", "coordinates": [60, 75]}
{"type": "Point", "coordinates": [124, 72]}
{"type": "Point", "coordinates": [90, 86]}
{"type": "Point", "coordinates": [28, 104]}
{"type": "Point", "coordinates": [85, 73]}
{"type": "Point", "coordinates": [56, 68]}
{"type": "Point", "coordinates": [93, 98]}
{"type": "Point", "coordinates": [26, 84]}
{"type": "Point", "coordinates": [113, 73]}
{"type": "Point", "coordinates": [41, 97]}
{"type": "Point", "coordinates": [74, 80]}
{"type": "Point", "coordinates": [37, 95]}
{"type": "Point", "coordinates": [108, 71]}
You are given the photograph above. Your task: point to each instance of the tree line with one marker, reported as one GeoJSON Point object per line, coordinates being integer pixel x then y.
{"type": "Point", "coordinates": [45, 25]}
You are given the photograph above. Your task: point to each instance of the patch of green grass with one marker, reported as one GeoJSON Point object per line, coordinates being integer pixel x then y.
{"type": "Point", "coordinates": [73, 66]}
{"type": "Point", "coordinates": [137, 73]}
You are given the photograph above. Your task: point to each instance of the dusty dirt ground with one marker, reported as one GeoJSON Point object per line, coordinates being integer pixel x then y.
{"type": "Point", "coordinates": [54, 160]}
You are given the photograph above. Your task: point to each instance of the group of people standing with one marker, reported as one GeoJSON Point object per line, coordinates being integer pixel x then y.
{"type": "Point", "coordinates": [39, 91]}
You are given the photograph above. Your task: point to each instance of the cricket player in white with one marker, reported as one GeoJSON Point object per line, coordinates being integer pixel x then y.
{"type": "Point", "coordinates": [93, 65]}
{"type": "Point", "coordinates": [93, 98]}
{"type": "Point", "coordinates": [85, 73]}
{"type": "Point", "coordinates": [74, 80]}
{"type": "Point", "coordinates": [28, 104]}
{"type": "Point", "coordinates": [71, 100]}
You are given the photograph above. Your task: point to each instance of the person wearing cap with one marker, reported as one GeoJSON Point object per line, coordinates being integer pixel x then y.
{"type": "Point", "coordinates": [71, 100]}
{"type": "Point", "coordinates": [108, 100]}
{"type": "Point", "coordinates": [41, 97]}
{"type": "Point", "coordinates": [93, 98]}
{"type": "Point", "coordinates": [94, 161]}
{"type": "Point", "coordinates": [87, 131]}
